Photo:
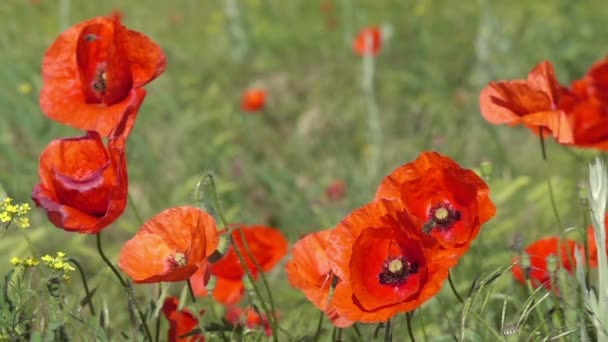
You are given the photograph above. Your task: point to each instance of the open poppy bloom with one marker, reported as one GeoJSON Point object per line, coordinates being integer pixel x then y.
{"type": "Point", "coordinates": [385, 264]}
{"type": "Point", "coordinates": [253, 100]}
{"type": "Point", "coordinates": [532, 102]}
{"type": "Point", "coordinates": [94, 73]}
{"type": "Point", "coordinates": [368, 41]}
{"type": "Point", "coordinates": [170, 246]}
{"type": "Point", "coordinates": [450, 203]}
{"type": "Point", "coordinates": [267, 245]}
{"type": "Point", "coordinates": [249, 318]}
{"type": "Point", "coordinates": [83, 184]}
{"type": "Point", "coordinates": [586, 104]}
{"type": "Point", "coordinates": [183, 324]}
{"type": "Point", "coordinates": [309, 272]}
{"type": "Point", "coordinates": [539, 252]}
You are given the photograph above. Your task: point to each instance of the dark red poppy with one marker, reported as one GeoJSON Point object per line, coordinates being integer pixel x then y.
{"type": "Point", "coordinates": [83, 184]}
{"type": "Point", "coordinates": [94, 73]}
{"type": "Point", "coordinates": [248, 318]}
{"type": "Point", "coordinates": [532, 102]}
{"type": "Point", "coordinates": [586, 104]}
{"type": "Point", "coordinates": [450, 203]}
{"type": "Point", "coordinates": [335, 191]}
{"type": "Point", "coordinates": [368, 41]}
{"type": "Point", "coordinates": [385, 263]}
{"type": "Point", "coordinates": [267, 245]}
{"type": "Point", "coordinates": [539, 252]}
{"type": "Point", "coordinates": [170, 246]}
{"type": "Point", "coordinates": [253, 100]}
{"type": "Point", "coordinates": [183, 324]}
{"type": "Point", "coordinates": [309, 271]}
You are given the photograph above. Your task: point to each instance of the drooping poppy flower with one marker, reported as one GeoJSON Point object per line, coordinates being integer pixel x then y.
{"type": "Point", "coordinates": [170, 246]}
{"type": "Point", "coordinates": [335, 191]}
{"type": "Point", "coordinates": [539, 252]}
{"type": "Point", "coordinates": [94, 73]}
{"type": "Point", "coordinates": [532, 102]}
{"type": "Point", "coordinates": [182, 323]}
{"type": "Point", "coordinates": [249, 318]}
{"type": "Point", "coordinates": [309, 272]}
{"type": "Point", "coordinates": [253, 100]}
{"type": "Point", "coordinates": [450, 203]}
{"type": "Point", "coordinates": [368, 41]}
{"type": "Point", "coordinates": [83, 185]}
{"type": "Point", "coordinates": [586, 104]}
{"type": "Point", "coordinates": [592, 245]}
{"type": "Point", "coordinates": [385, 264]}
{"type": "Point", "coordinates": [267, 246]}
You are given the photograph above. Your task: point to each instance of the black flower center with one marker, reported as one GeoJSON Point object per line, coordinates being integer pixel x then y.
{"type": "Point", "coordinates": [395, 271]}
{"type": "Point", "coordinates": [441, 216]}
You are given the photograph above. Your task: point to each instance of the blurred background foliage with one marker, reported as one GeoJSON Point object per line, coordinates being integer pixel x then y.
{"type": "Point", "coordinates": [273, 167]}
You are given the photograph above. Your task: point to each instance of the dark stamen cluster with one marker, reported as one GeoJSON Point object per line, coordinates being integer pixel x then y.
{"type": "Point", "coordinates": [395, 271]}
{"type": "Point", "coordinates": [441, 216]}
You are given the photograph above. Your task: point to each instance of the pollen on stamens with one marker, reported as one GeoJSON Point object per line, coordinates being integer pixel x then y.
{"type": "Point", "coordinates": [441, 214]}
{"type": "Point", "coordinates": [395, 266]}
{"type": "Point", "coordinates": [179, 259]}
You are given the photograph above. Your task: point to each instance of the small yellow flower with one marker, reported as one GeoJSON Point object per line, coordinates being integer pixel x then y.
{"type": "Point", "coordinates": [23, 222]}
{"type": "Point", "coordinates": [5, 217]}
{"type": "Point", "coordinates": [15, 261]}
{"type": "Point", "coordinates": [47, 259]}
{"type": "Point", "coordinates": [30, 262]}
{"type": "Point", "coordinates": [13, 209]}
{"type": "Point", "coordinates": [60, 254]}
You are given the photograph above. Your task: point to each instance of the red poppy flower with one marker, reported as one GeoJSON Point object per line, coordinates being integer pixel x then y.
{"type": "Point", "coordinates": [249, 318]}
{"type": "Point", "coordinates": [83, 184]}
{"type": "Point", "coordinates": [450, 203]}
{"type": "Point", "coordinates": [591, 244]}
{"type": "Point", "coordinates": [309, 271]}
{"type": "Point", "coordinates": [368, 41]}
{"type": "Point", "coordinates": [385, 264]}
{"type": "Point", "coordinates": [586, 103]}
{"type": "Point", "coordinates": [94, 73]}
{"type": "Point", "coordinates": [335, 191]}
{"type": "Point", "coordinates": [267, 245]}
{"type": "Point", "coordinates": [538, 252]}
{"type": "Point", "coordinates": [532, 102]}
{"type": "Point", "coordinates": [170, 246]}
{"type": "Point", "coordinates": [253, 100]}
{"type": "Point", "coordinates": [181, 322]}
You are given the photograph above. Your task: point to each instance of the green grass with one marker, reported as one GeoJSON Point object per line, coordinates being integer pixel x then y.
{"type": "Point", "coordinates": [273, 167]}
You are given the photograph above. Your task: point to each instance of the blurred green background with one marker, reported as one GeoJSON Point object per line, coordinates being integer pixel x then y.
{"type": "Point", "coordinates": [273, 167]}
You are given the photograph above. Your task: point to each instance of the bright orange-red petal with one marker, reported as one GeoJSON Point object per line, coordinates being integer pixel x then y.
{"type": "Point", "coordinates": [170, 246]}
{"type": "Point", "coordinates": [368, 41]}
{"type": "Point", "coordinates": [253, 100]}
{"type": "Point", "coordinates": [228, 291]}
{"type": "Point", "coordinates": [181, 322]}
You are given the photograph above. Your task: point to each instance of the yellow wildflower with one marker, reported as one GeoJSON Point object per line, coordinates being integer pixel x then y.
{"type": "Point", "coordinates": [15, 261]}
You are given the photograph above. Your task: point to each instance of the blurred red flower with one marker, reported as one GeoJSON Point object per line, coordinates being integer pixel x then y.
{"type": "Point", "coordinates": [267, 245]}
{"type": "Point", "coordinates": [368, 41]}
{"type": "Point", "coordinates": [532, 102]}
{"type": "Point", "coordinates": [94, 73]}
{"type": "Point", "coordinates": [253, 100]}
{"type": "Point", "coordinates": [591, 244]}
{"type": "Point", "coordinates": [586, 103]}
{"type": "Point", "coordinates": [448, 202]}
{"type": "Point", "coordinates": [335, 191]}
{"type": "Point", "coordinates": [249, 318]}
{"type": "Point", "coordinates": [83, 184]}
{"type": "Point", "coordinates": [309, 271]}
{"type": "Point", "coordinates": [181, 322]}
{"type": "Point", "coordinates": [539, 251]}
{"type": "Point", "coordinates": [385, 263]}
{"type": "Point", "coordinates": [170, 246]}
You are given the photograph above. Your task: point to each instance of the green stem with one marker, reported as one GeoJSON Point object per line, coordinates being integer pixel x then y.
{"type": "Point", "coordinates": [409, 316]}
{"type": "Point", "coordinates": [537, 309]}
{"type": "Point", "coordinates": [191, 291]}
{"type": "Point", "coordinates": [554, 205]}
{"type": "Point", "coordinates": [158, 318]}
{"type": "Point", "coordinates": [319, 325]}
{"type": "Point", "coordinates": [454, 288]}
{"type": "Point", "coordinates": [89, 296]}
{"type": "Point", "coordinates": [270, 312]}
{"type": "Point", "coordinates": [388, 332]}
{"type": "Point", "coordinates": [126, 286]}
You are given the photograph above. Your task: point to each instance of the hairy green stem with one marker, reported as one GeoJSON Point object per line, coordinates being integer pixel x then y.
{"type": "Point", "coordinates": [126, 286]}
{"type": "Point", "coordinates": [84, 284]}
{"type": "Point", "coordinates": [270, 312]}
{"type": "Point", "coordinates": [458, 296]}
